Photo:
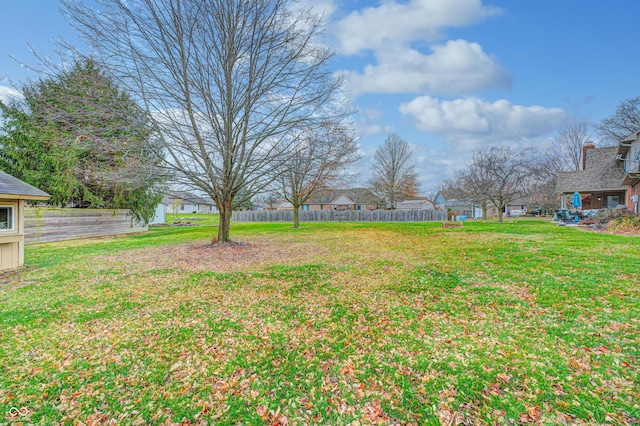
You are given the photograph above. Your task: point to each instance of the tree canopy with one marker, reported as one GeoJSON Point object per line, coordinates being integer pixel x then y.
{"type": "Point", "coordinates": [80, 138]}
{"type": "Point", "coordinates": [227, 82]}
{"type": "Point", "coordinates": [622, 123]}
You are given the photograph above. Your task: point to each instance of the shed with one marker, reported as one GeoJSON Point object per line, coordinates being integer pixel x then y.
{"type": "Point", "coordinates": [13, 192]}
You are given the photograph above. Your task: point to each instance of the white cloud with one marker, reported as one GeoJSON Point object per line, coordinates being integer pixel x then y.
{"type": "Point", "coordinates": [454, 68]}
{"type": "Point", "coordinates": [326, 8]}
{"type": "Point", "coordinates": [470, 123]}
{"type": "Point", "coordinates": [401, 22]}
{"type": "Point", "coordinates": [373, 129]}
{"type": "Point", "coordinates": [368, 123]}
{"type": "Point", "coordinates": [8, 94]}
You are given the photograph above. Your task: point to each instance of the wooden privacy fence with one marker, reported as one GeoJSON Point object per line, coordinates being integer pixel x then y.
{"type": "Point", "coordinates": [44, 224]}
{"type": "Point", "coordinates": [342, 216]}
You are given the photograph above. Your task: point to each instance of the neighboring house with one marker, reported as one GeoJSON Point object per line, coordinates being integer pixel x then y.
{"type": "Point", "coordinates": [441, 199]}
{"type": "Point", "coordinates": [423, 204]}
{"type": "Point", "coordinates": [13, 192]}
{"type": "Point", "coordinates": [338, 199]}
{"type": "Point", "coordinates": [182, 202]}
{"type": "Point", "coordinates": [520, 205]}
{"type": "Point", "coordinates": [629, 152]}
{"type": "Point", "coordinates": [602, 181]}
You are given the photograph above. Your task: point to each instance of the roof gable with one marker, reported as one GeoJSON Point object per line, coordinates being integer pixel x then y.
{"type": "Point", "coordinates": [342, 199]}
{"type": "Point", "coordinates": [14, 188]}
{"type": "Point", "coordinates": [360, 196]}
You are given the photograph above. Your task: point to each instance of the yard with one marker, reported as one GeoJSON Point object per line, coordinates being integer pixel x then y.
{"type": "Point", "coordinates": [333, 324]}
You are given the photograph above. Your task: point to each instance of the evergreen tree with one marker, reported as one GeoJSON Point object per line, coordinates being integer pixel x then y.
{"type": "Point", "coordinates": [79, 137]}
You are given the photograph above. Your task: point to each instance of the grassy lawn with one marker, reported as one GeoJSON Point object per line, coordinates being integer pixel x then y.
{"type": "Point", "coordinates": [332, 324]}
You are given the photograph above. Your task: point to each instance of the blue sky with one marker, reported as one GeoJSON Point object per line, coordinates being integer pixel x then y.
{"type": "Point", "coordinates": [448, 76]}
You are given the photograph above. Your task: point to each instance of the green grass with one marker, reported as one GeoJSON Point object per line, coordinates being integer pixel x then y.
{"type": "Point", "coordinates": [332, 323]}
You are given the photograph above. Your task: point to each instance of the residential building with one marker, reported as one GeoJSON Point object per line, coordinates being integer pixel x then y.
{"type": "Point", "coordinates": [337, 199]}
{"type": "Point", "coordinates": [601, 182]}
{"type": "Point", "coordinates": [516, 205]}
{"type": "Point", "coordinates": [629, 153]}
{"type": "Point", "coordinates": [182, 202]}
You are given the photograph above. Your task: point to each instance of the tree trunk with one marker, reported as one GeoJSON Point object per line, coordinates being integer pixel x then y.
{"type": "Point", "coordinates": [500, 214]}
{"type": "Point", "coordinates": [224, 223]}
{"type": "Point", "coordinates": [484, 211]}
{"type": "Point", "coordinates": [296, 216]}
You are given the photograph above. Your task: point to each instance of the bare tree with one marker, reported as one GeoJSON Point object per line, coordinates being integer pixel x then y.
{"type": "Point", "coordinates": [565, 151]}
{"type": "Point", "coordinates": [226, 82]}
{"type": "Point", "coordinates": [502, 174]}
{"type": "Point", "coordinates": [477, 180]}
{"type": "Point", "coordinates": [393, 173]}
{"type": "Point", "coordinates": [622, 123]}
{"type": "Point", "coordinates": [314, 163]}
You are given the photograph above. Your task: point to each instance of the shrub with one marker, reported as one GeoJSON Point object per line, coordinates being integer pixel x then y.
{"type": "Point", "coordinates": [625, 225]}
{"type": "Point", "coordinates": [607, 215]}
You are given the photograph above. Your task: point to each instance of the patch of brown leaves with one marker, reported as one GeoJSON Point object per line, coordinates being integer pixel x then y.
{"type": "Point", "coordinates": [226, 257]}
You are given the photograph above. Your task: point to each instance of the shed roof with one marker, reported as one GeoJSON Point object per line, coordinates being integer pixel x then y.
{"type": "Point", "coordinates": [12, 188]}
{"type": "Point", "coordinates": [602, 172]}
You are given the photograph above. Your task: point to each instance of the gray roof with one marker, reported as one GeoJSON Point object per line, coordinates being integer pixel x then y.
{"type": "Point", "coordinates": [602, 172]}
{"type": "Point", "coordinates": [188, 197]}
{"type": "Point", "coordinates": [413, 204]}
{"type": "Point", "coordinates": [14, 188]}
{"type": "Point", "coordinates": [357, 195]}
{"type": "Point", "coordinates": [454, 202]}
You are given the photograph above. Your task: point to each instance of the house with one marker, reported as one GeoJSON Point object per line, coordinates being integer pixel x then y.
{"type": "Point", "coordinates": [441, 199]}
{"type": "Point", "coordinates": [338, 199]}
{"type": "Point", "coordinates": [422, 204]}
{"type": "Point", "coordinates": [13, 192]}
{"type": "Point", "coordinates": [519, 205]}
{"type": "Point", "coordinates": [602, 182]}
{"type": "Point", "coordinates": [629, 152]}
{"type": "Point", "coordinates": [182, 202]}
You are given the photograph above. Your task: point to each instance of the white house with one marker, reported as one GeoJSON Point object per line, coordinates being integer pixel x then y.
{"type": "Point", "coordinates": [182, 202]}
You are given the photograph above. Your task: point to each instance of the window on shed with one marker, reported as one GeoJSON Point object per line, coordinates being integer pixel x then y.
{"type": "Point", "coordinates": [6, 217]}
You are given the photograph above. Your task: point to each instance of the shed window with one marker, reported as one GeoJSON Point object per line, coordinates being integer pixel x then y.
{"type": "Point", "coordinates": [6, 217]}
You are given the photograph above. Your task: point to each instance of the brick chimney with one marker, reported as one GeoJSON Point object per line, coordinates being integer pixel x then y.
{"type": "Point", "coordinates": [587, 145]}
